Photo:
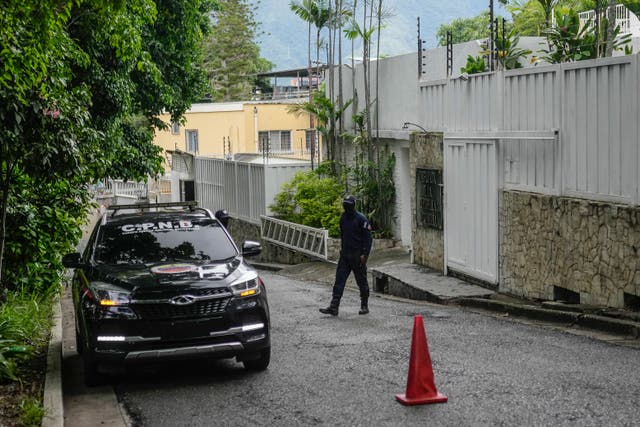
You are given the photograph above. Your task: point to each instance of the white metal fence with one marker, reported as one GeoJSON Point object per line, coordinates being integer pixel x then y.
{"type": "Point", "coordinates": [245, 190]}
{"type": "Point", "coordinates": [593, 106]}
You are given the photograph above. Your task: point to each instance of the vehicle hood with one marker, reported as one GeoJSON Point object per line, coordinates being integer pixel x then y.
{"type": "Point", "coordinates": [170, 275]}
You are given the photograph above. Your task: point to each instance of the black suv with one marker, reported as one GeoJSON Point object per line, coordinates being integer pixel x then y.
{"type": "Point", "coordinates": [166, 281]}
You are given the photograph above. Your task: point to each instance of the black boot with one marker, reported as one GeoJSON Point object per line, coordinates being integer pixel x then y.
{"type": "Point", "coordinates": [364, 306]}
{"type": "Point", "coordinates": [333, 307]}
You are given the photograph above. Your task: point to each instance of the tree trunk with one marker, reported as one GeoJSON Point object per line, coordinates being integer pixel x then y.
{"type": "Point", "coordinates": [378, 70]}
{"type": "Point", "coordinates": [366, 42]}
{"type": "Point", "coordinates": [311, 124]}
{"type": "Point", "coordinates": [4, 201]}
{"type": "Point", "coordinates": [611, 25]}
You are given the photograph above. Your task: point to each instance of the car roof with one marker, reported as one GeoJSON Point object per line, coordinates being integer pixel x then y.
{"type": "Point", "coordinates": [151, 216]}
{"type": "Point", "coordinates": [119, 214]}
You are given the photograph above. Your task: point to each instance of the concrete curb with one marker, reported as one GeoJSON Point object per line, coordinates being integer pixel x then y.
{"type": "Point", "coordinates": [52, 399]}
{"type": "Point", "coordinates": [573, 318]}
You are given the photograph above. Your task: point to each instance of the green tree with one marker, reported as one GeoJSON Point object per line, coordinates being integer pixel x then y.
{"type": "Point", "coordinates": [232, 57]}
{"type": "Point", "coordinates": [327, 115]}
{"type": "Point", "coordinates": [529, 16]}
{"type": "Point", "coordinates": [465, 29]}
{"type": "Point", "coordinates": [82, 87]}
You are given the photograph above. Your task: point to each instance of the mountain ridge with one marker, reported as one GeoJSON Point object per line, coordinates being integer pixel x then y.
{"type": "Point", "coordinates": [284, 36]}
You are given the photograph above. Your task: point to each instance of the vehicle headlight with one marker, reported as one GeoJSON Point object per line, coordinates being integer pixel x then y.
{"type": "Point", "coordinates": [246, 286]}
{"type": "Point", "coordinates": [108, 295]}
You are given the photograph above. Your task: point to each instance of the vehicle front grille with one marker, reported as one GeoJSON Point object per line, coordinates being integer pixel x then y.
{"type": "Point", "coordinates": [170, 311]}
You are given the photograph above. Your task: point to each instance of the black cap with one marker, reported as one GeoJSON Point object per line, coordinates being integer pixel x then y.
{"type": "Point", "coordinates": [349, 200]}
{"type": "Point", "coordinates": [222, 213]}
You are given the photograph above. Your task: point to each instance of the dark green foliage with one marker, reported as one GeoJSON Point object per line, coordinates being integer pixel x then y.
{"type": "Point", "coordinates": [474, 65]}
{"type": "Point", "coordinates": [569, 41]}
{"type": "Point", "coordinates": [82, 86]}
{"type": "Point", "coordinates": [24, 326]}
{"type": "Point", "coordinates": [465, 29]}
{"type": "Point", "coordinates": [311, 198]}
{"type": "Point", "coordinates": [44, 222]}
{"type": "Point", "coordinates": [508, 52]}
{"type": "Point", "coordinates": [372, 185]}
{"type": "Point", "coordinates": [232, 57]}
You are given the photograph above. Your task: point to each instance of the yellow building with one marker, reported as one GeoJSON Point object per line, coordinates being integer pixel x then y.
{"type": "Point", "coordinates": [227, 129]}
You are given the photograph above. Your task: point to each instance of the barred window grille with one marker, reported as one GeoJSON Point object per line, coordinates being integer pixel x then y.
{"type": "Point", "coordinates": [429, 198]}
{"type": "Point", "coordinates": [276, 141]}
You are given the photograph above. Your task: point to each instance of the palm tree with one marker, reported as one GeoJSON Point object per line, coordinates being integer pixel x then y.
{"type": "Point", "coordinates": [317, 13]}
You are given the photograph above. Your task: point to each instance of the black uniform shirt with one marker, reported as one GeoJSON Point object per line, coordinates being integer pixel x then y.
{"type": "Point", "coordinates": [355, 232]}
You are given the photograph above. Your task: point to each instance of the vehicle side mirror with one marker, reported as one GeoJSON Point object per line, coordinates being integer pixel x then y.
{"type": "Point", "coordinates": [250, 248]}
{"type": "Point", "coordinates": [72, 260]}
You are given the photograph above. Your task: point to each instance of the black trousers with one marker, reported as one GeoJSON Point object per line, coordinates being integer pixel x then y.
{"type": "Point", "coordinates": [346, 264]}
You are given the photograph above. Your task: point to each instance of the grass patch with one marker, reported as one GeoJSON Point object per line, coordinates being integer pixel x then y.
{"type": "Point", "coordinates": [25, 324]}
{"type": "Point", "coordinates": [32, 412]}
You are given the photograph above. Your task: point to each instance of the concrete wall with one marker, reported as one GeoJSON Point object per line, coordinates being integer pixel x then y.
{"type": "Point", "coordinates": [587, 247]}
{"type": "Point", "coordinates": [428, 244]}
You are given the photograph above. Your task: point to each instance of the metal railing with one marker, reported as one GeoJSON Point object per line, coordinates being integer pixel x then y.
{"type": "Point", "coordinates": [300, 238]}
{"type": "Point", "coordinates": [628, 21]}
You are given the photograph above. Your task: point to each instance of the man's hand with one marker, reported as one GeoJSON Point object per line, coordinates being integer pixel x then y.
{"type": "Point", "coordinates": [363, 260]}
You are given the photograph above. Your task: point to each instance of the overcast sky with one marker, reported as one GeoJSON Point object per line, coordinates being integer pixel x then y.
{"type": "Point", "coordinates": [284, 41]}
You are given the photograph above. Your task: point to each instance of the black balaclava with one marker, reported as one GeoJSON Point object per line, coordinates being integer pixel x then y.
{"type": "Point", "coordinates": [349, 204]}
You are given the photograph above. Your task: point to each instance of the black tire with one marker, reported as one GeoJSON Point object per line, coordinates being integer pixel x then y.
{"type": "Point", "coordinates": [92, 377]}
{"type": "Point", "coordinates": [79, 342]}
{"type": "Point", "coordinates": [260, 363]}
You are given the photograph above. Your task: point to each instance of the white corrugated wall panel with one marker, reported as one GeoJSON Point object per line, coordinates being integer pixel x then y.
{"type": "Point", "coordinates": [432, 98]}
{"type": "Point", "coordinates": [600, 131]}
{"type": "Point", "coordinates": [229, 201]}
{"type": "Point", "coordinates": [471, 192]}
{"type": "Point", "coordinates": [472, 104]}
{"type": "Point", "coordinates": [245, 191]}
{"type": "Point", "coordinates": [257, 201]}
{"type": "Point", "coordinates": [531, 103]}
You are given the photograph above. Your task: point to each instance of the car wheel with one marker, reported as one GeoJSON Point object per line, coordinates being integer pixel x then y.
{"type": "Point", "coordinates": [260, 363]}
{"type": "Point", "coordinates": [79, 342]}
{"type": "Point", "coordinates": [92, 377]}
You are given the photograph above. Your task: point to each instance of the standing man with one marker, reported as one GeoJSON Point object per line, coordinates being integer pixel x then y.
{"type": "Point", "coordinates": [355, 233]}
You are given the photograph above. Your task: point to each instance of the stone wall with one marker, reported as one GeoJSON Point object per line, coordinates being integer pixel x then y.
{"type": "Point", "coordinates": [591, 248]}
{"type": "Point", "coordinates": [425, 151]}
{"type": "Point", "coordinates": [244, 230]}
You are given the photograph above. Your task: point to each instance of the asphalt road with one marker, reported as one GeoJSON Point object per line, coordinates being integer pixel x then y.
{"type": "Point", "coordinates": [346, 371]}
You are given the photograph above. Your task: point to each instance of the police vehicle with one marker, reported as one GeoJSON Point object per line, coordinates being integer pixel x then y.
{"type": "Point", "coordinates": [166, 281]}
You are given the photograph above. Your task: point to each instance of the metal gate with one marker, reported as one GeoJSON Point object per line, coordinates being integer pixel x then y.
{"type": "Point", "coordinates": [471, 208]}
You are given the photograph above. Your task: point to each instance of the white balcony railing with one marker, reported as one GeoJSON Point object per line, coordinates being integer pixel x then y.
{"type": "Point", "coordinates": [627, 20]}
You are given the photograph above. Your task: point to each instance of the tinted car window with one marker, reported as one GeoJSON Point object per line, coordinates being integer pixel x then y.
{"type": "Point", "coordinates": [161, 240]}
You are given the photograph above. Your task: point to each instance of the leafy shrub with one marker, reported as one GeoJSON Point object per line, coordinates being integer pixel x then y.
{"type": "Point", "coordinates": [474, 65]}
{"type": "Point", "coordinates": [312, 199]}
{"type": "Point", "coordinates": [9, 352]}
{"type": "Point", "coordinates": [25, 321]}
{"type": "Point", "coordinates": [32, 413]}
{"type": "Point", "coordinates": [43, 222]}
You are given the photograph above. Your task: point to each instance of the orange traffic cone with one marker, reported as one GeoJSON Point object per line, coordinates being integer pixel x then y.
{"type": "Point", "coordinates": [421, 388]}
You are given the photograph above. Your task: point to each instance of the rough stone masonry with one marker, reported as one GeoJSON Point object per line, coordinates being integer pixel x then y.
{"type": "Point", "coordinates": [588, 247]}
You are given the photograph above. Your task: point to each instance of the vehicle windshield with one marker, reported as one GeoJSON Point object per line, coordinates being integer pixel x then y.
{"type": "Point", "coordinates": [162, 241]}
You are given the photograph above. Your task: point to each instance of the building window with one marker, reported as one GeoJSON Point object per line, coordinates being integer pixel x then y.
{"type": "Point", "coordinates": [175, 128]}
{"type": "Point", "coordinates": [275, 141]}
{"type": "Point", "coordinates": [429, 198]}
{"type": "Point", "coordinates": [192, 141]}
{"type": "Point", "coordinates": [309, 136]}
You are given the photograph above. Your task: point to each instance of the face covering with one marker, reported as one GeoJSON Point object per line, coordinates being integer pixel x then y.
{"type": "Point", "coordinates": [349, 207]}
